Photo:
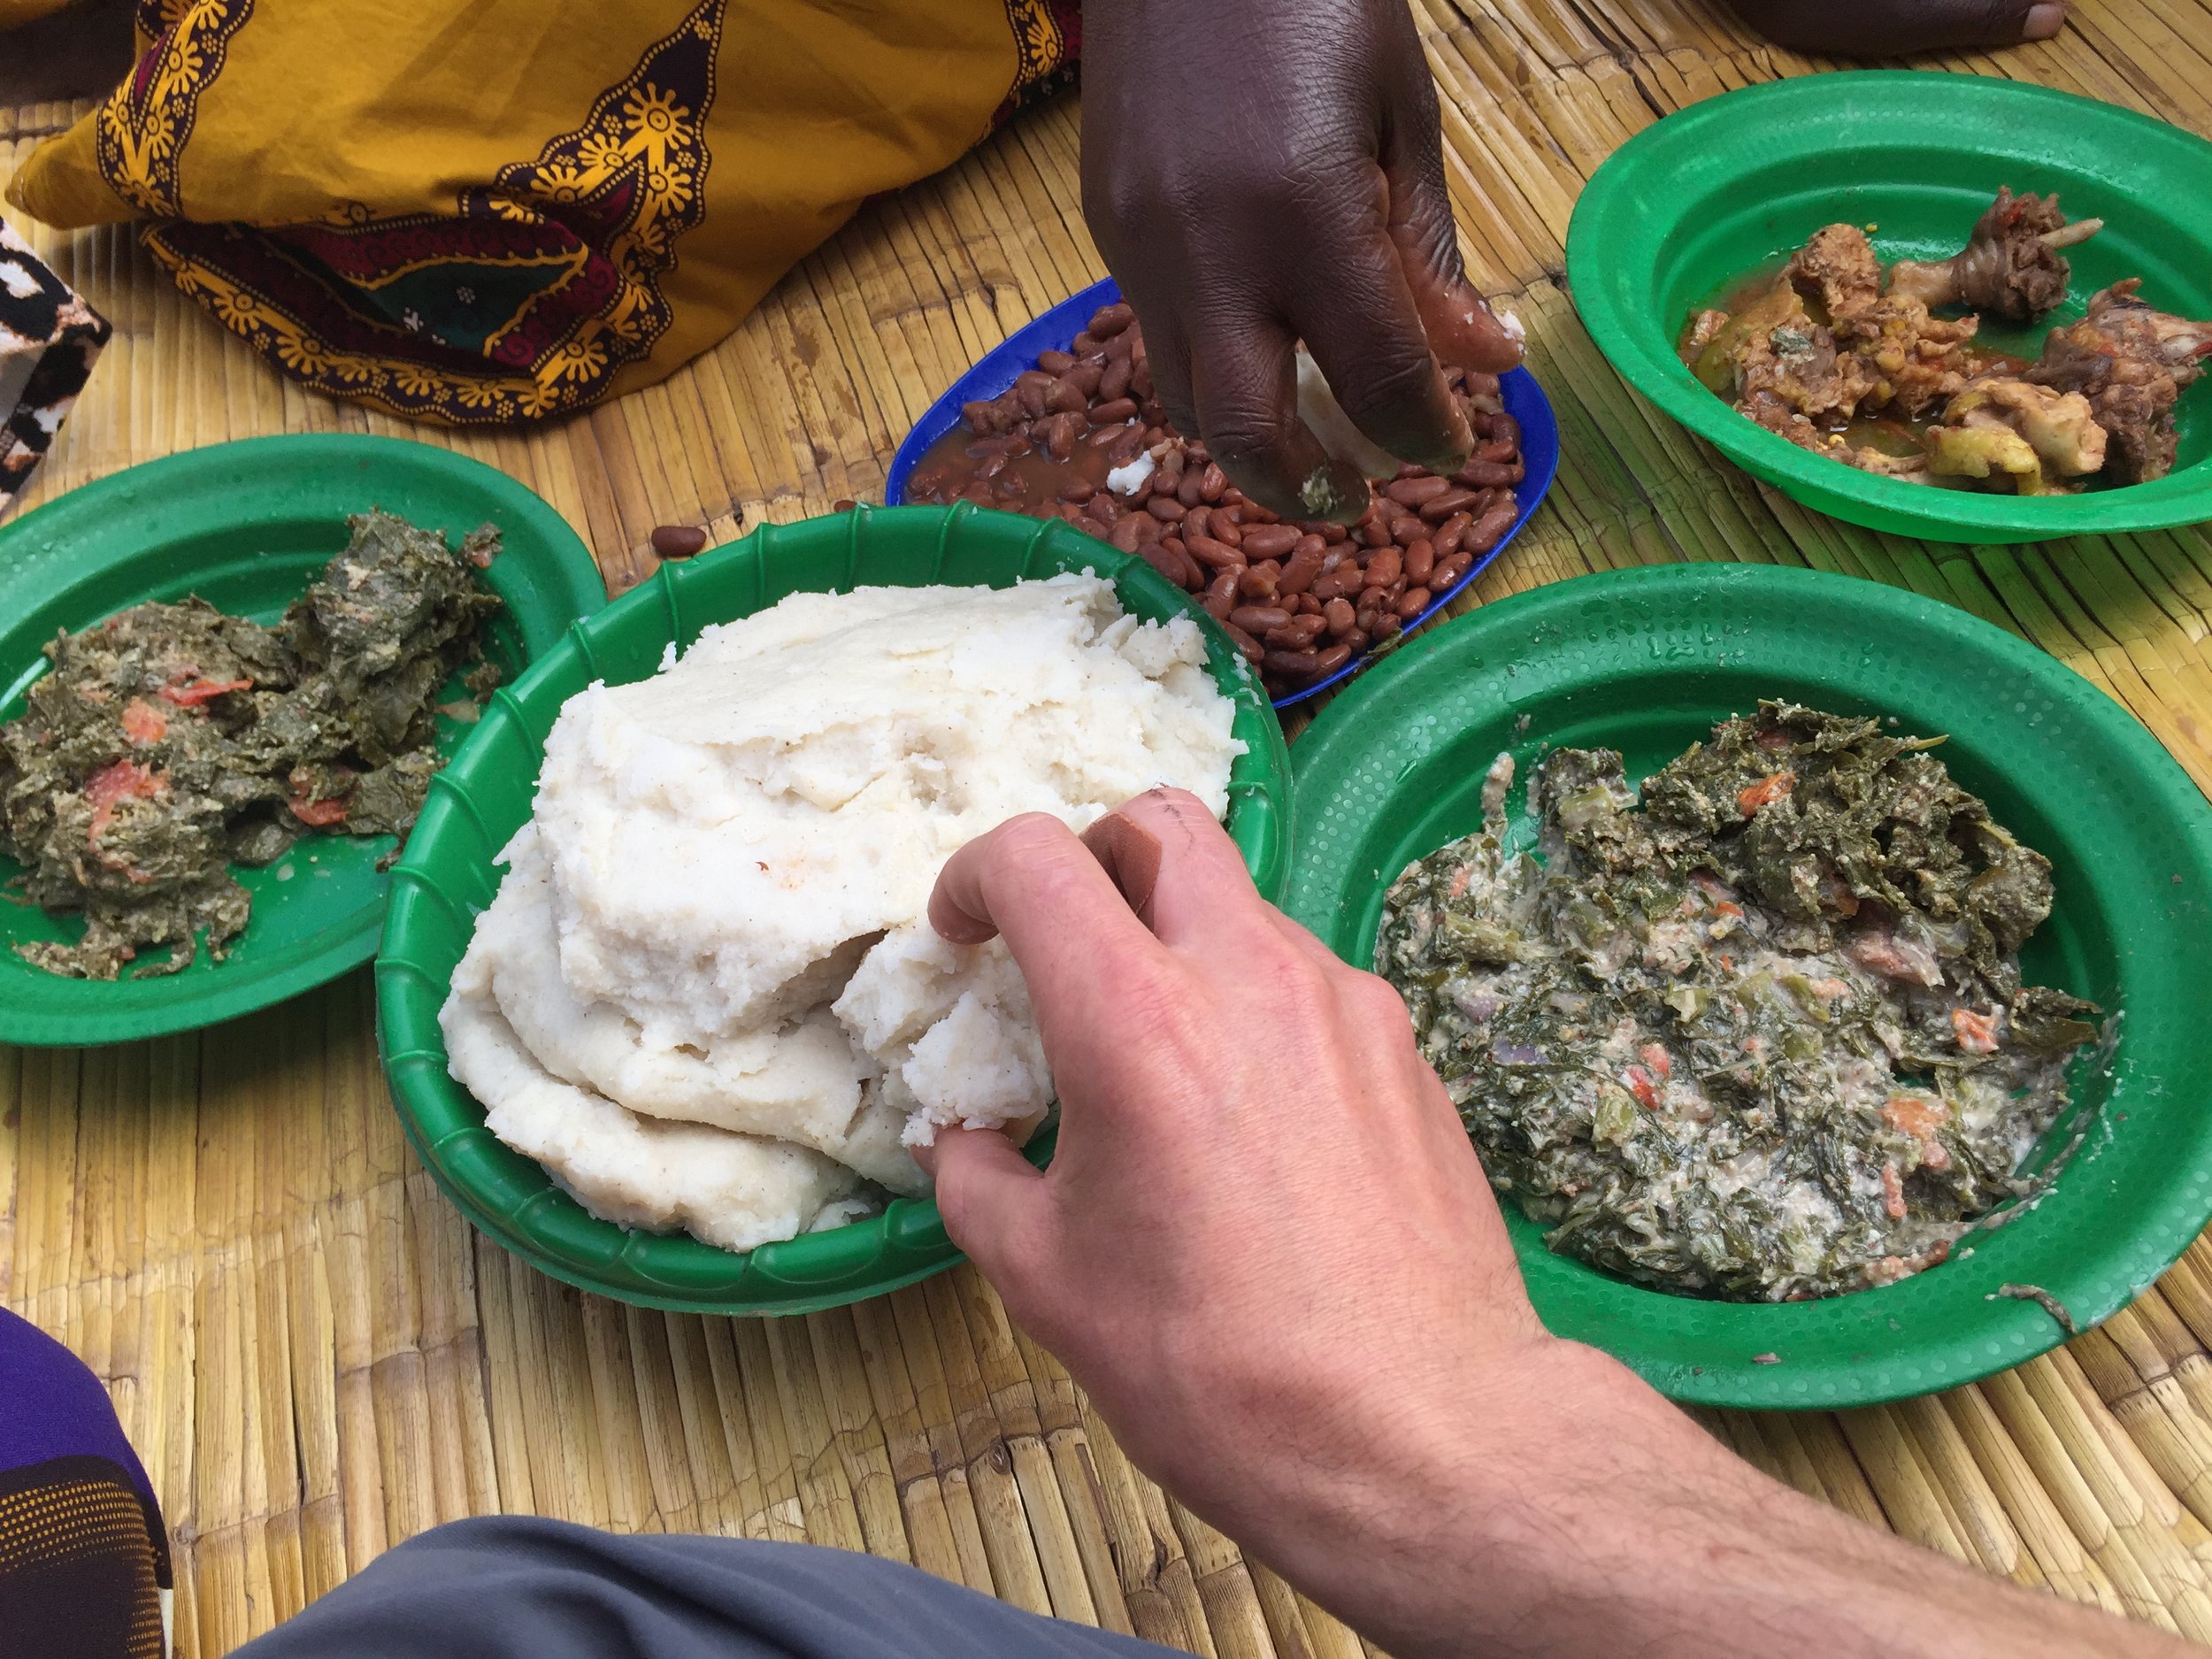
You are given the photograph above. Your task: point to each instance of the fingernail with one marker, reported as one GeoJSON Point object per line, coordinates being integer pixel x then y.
{"type": "Point", "coordinates": [2044, 20]}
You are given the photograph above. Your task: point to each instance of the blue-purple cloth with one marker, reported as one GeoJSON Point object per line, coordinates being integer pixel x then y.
{"type": "Point", "coordinates": [84, 1559]}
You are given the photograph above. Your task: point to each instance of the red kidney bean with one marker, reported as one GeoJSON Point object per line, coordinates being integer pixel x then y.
{"type": "Point", "coordinates": [1199, 521]}
{"type": "Point", "coordinates": [1062, 437]}
{"type": "Point", "coordinates": [1030, 386]}
{"type": "Point", "coordinates": [1244, 642]}
{"type": "Point", "coordinates": [1491, 526]}
{"type": "Point", "coordinates": [1497, 450]}
{"type": "Point", "coordinates": [1110, 320]}
{"type": "Point", "coordinates": [1215, 607]}
{"type": "Point", "coordinates": [1056, 362]}
{"type": "Point", "coordinates": [1187, 488]}
{"type": "Point", "coordinates": [1304, 565]}
{"type": "Point", "coordinates": [1358, 639]}
{"type": "Point", "coordinates": [1166, 508]}
{"type": "Point", "coordinates": [1329, 661]}
{"type": "Point", "coordinates": [990, 466]}
{"type": "Point", "coordinates": [1419, 561]}
{"type": "Point", "coordinates": [1307, 605]}
{"type": "Point", "coordinates": [1101, 436]}
{"type": "Point", "coordinates": [1078, 489]}
{"type": "Point", "coordinates": [1338, 615]}
{"type": "Point", "coordinates": [1335, 584]}
{"type": "Point", "coordinates": [1161, 558]}
{"type": "Point", "coordinates": [1383, 569]}
{"type": "Point", "coordinates": [1412, 491]}
{"type": "Point", "coordinates": [1090, 526]}
{"type": "Point", "coordinates": [1105, 508]}
{"type": "Point", "coordinates": [1224, 587]}
{"type": "Point", "coordinates": [1485, 475]}
{"type": "Point", "coordinates": [1405, 531]}
{"type": "Point", "coordinates": [1387, 627]}
{"type": "Point", "coordinates": [1451, 501]}
{"type": "Point", "coordinates": [1113, 380]}
{"type": "Point", "coordinates": [1084, 377]}
{"type": "Point", "coordinates": [1297, 635]}
{"type": "Point", "coordinates": [1375, 534]}
{"type": "Point", "coordinates": [1292, 665]}
{"type": "Point", "coordinates": [1215, 555]}
{"type": "Point", "coordinates": [1412, 603]}
{"type": "Point", "coordinates": [1127, 446]}
{"type": "Point", "coordinates": [1449, 572]}
{"type": "Point", "coordinates": [1256, 584]}
{"type": "Point", "coordinates": [1271, 541]}
{"type": "Point", "coordinates": [1140, 378]}
{"type": "Point", "coordinates": [1258, 619]}
{"type": "Point", "coordinates": [1064, 394]}
{"type": "Point", "coordinates": [1448, 533]}
{"type": "Point", "coordinates": [1225, 527]}
{"type": "Point", "coordinates": [1112, 414]}
{"type": "Point", "coordinates": [1213, 482]}
{"type": "Point", "coordinates": [1124, 534]}
{"type": "Point", "coordinates": [678, 541]}
{"type": "Point", "coordinates": [1505, 429]}
{"type": "Point", "coordinates": [1333, 533]}
{"type": "Point", "coordinates": [1367, 621]}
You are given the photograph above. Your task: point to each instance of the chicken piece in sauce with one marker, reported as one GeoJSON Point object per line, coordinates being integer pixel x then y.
{"type": "Point", "coordinates": [2011, 266]}
{"type": "Point", "coordinates": [2130, 361]}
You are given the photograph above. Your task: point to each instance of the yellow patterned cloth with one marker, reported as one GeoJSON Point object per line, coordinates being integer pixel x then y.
{"type": "Point", "coordinates": [491, 210]}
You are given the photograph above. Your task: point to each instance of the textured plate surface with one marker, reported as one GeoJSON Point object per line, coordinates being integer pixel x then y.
{"type": "Point", "coordinates": [1646, 661]}
{"type": "Point", "coordinates": [1054, 329]}
{"type": "Point", "coordinates": [478, 802]}
{"type": "Point", "coordinates": [248, 526]}
{"type": "Point", "coordinates": [1696, 201]}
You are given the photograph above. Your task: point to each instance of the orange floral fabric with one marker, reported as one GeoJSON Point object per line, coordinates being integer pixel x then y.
{"type": "Point", "coordinates": [492, 211]}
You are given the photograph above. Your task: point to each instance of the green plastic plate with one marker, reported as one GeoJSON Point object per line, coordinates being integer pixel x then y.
{"type": "Point", "coordinates": [247, 526]}
{"type": "Point", "coordinates": [1646, 661]}
{"type": "Point", "coordinates": [1699, 199]}
{"type": "Point", "coordinates": [478, 802]}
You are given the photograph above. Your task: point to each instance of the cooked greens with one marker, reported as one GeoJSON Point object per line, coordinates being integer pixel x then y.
{"type": "Point", "coordinates": [171, 739]}
{"type": "Point", "coordinates": [1760, 1035]}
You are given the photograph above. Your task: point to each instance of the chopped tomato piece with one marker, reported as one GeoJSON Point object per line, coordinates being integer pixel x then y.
{"type": "Point", "coordinates": [193, 692]}
{"type": "Point", "coordinates": [118, 780]}
{"type": "Point", "coordinates": [1766, 790]}
{"type": "Point", "coordinates": [1917, 1115]}
{"type": "Point", "coordinates": [1893, 1193]}
{"type": "Point", "coordinates": [1729, 907]}
{"type": "Point", "coordinates": [328, 809]}
{"type": "Point", "coordinates": [1976, 1032]}
{"type": "Point", "coordinates": [1655, 1054]}
{"type": "Point", "coordinates": [317, 814]}
{"type": "Point", "coordinates": [1773, 737]}
{"type": "Point", "coordinates": [143, 723]}
{"type": "Point", "coordinates": [1640, 1084]}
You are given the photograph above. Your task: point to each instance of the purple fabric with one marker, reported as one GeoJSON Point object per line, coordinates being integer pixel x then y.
{"type": "Point", "coordinates": [51, 1406]}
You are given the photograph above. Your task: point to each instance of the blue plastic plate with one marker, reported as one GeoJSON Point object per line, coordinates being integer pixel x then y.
{"type": "Point", "coordinates": [1055, 330]}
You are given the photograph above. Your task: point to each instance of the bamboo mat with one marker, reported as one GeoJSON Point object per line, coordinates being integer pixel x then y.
{"type": "Point", "coordinates": [317, 1358]}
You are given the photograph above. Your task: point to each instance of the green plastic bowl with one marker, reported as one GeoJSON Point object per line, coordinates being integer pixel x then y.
{"type": "Point", "coordinates": [1698, 200]}
{"type": "Point", "coordinates": [448, 876]}
{"type": "Point", "coordinates": [248, 526]}
{"type": "Point", "coordinates": [1646, 661]}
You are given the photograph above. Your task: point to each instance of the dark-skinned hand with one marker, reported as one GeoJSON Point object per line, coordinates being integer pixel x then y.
{"type": "Point", "coordinates": [1259, 173]}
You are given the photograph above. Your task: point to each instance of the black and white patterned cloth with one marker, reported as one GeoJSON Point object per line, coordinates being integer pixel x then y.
{"type": "Point", "coordinates": [49, 339]}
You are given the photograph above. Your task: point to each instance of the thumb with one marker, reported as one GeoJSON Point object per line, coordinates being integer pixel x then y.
{"type": "Point", "coordinates": [1890, 28]}
{"type": "Point", "coordinates": [993, 1200]}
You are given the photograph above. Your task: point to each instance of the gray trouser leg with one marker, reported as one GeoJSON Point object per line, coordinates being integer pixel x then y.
{"type": "Point", "coordinates": [512, 1588]}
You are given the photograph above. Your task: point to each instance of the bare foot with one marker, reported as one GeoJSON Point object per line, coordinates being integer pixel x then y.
{"type": "Point", "coordinates": [1892, 28]}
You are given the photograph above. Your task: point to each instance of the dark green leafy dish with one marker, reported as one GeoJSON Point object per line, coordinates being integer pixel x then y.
{"type": "Point", "coordinates": [172, 741]}
{"type": "Point", "coordinates": [1760, 1035]}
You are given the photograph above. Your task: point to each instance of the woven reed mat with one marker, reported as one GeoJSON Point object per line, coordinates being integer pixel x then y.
{"type": "Point", "coordinates": [317, 1358]}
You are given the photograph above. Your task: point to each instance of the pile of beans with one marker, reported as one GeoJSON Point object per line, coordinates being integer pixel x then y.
{"type": "Point", "coordinates": [1301, 599]}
